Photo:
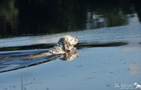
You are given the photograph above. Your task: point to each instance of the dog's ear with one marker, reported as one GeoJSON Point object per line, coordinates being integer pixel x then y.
{"type": "Point", "coordinates": [66, 45]}
{"type": "Point", "coordinates": [63, 41]}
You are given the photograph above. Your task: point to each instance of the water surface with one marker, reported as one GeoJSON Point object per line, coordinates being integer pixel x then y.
{"type": "Point", "coordinates": [109, 34]}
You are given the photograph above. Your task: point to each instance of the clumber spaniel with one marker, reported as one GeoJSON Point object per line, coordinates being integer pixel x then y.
{"type": "Point", "coordinates": [65, 44]}
{"type": "Point", "coordinates": [63, 50]}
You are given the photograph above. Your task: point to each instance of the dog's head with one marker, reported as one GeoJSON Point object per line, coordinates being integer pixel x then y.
{"type": "Point", "coordinates": [68, 42]}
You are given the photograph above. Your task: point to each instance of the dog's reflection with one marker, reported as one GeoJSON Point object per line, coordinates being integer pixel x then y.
{"type": "Point", "coordinates": [69, 56]}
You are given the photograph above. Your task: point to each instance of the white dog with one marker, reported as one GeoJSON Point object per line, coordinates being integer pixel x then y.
{"type": "Point", "coordinates": [137, 85]}
{"type": "Point", "coordinates": [65, 44]}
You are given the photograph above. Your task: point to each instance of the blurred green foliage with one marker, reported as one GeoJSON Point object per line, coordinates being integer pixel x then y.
{"type": "Point", "coordinates": [23, 17]}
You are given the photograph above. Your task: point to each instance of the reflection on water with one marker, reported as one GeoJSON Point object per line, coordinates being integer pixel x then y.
{"type": "Point", "coordinates": [96, 68]}
{"type": "Point", "coordinates": [43, 16]}
{"type": "Point", "coordinates": [78, 46]}
{"type": "Point", "coordinates": [16, 60]}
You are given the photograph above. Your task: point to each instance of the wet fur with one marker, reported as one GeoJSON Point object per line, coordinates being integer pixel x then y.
{"type": "Point", "coordinates": [65, 44]}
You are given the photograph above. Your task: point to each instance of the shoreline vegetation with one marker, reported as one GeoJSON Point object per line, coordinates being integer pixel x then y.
{"type": "Point", "coordinates": [41, 17]}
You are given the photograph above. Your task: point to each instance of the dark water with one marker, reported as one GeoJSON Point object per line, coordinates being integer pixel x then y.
{"type": "Point", "coordinates": [34, 17]}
